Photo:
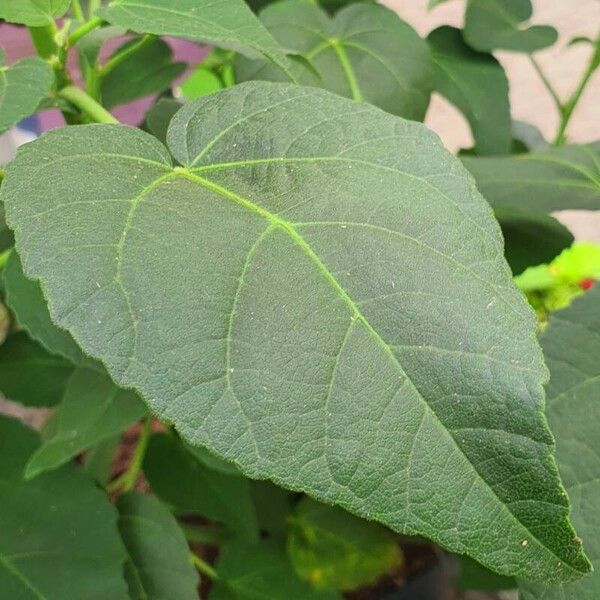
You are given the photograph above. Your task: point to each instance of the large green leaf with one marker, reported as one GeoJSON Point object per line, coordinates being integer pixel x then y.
{"type": "Point", "coordinates": [319, 295]}
{"type": "Point", "coordinates": [477, 85]}
{"type": "Point", "coordinates": [330, 5]}
{"type": "Point", "coordinates": [497, 24]}
{"type": "Point", "coordinates": [26, 300]}
{"type": "Point", "coordinates": [572, 346]}
{"type": "Point", "coordinates": [224, 23]}
{"type": "Point", "coordinates": [31, 375]}
{"type": "Point", "coordinates": [366, 52]}
{"type": "Point", "coordinates": [150, 70]}
{"type": "Point", "coordinates": [22, 88]}
{"type": "Point", "coordinates": [251, 571]}
{"type": "Point", "coordinates": [185, 482]}
{"type": "Point", "coordinates": [547, 180]}
{"type": "Point", "coordinates": [158, 567]}
{"type": "Point", "coordinates": [33, 12]}
{"type": "Point", "coordinates": [335, 550]}
{"type": "Point", "coordinates": [93, 409]}
{"type": "Point", "coordinates": [59, 533]}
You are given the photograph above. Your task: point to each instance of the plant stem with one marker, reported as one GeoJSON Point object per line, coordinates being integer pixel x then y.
{"type": "Point", "coordinates": [83, 30]}
{"type": "Point", "coordinates": [43, 39]}
{"type": "Point", "coordinates": [547, 84]}
{"type": "Point", "coordinates": [569, 107]}
{"type": "Point", "coordinates": [86, 104]}
{"type": "Point", "coordinates": [77, 10]}
{"type": "Point", "coordinates": [203, 567]}
{"type": "Point", "coordinates": [126, 481]}
{"type": "Point", "coordinates": [117, 59]}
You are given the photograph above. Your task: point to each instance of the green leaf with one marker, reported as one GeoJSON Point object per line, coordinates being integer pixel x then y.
{"type": "Point", "coordinates": [273, 506]}
{"type": "Point", "coordinates": [531, 238]}
{"type": "Point", "coordinates": [366, 52]}
{"type": "Point", "coordinates": [544, 181]}
{"type": "Point", "coordinates": [294, 298]}
{"type": "Point", "coordinates": [498, 25]}
{"type": "Point", "coordinates": [330, 6]}
{"type": "Point", "coordinates": [571, 344]}
{"type": "Point", "coordinates": [26, 300]}
{"type": "Point", "coordinates": [93, 409]}
{"type": "Point", "coordinates": [250, 571]}
{"type": "Point", "coordinates": [159, 117]}
{"type": "Point", "coordinates": [473, 576]}
{"type": "Point", "coordinates": [528, 136]}
{"type": "Point", "coordinates": [33, 13]}
{"type": "Point", "coordinates": [335, 550]}
{"type": "Point", "coordinates": [149, 70]}
{"type": "Point", "coordinates": [31, 375]}
{"type": "Point", "coordinates": [225, 23]}
{"type": "Point", "coordinates": [98, 462]}
{"type": "Point", "coordinates": [59, 534]}
{"type": "Point", "coordinates": [477, 85]}
{"type": "Point", "coordinates": [184, 482]}
{"type": "Point", "coordinates": [22, 87]}
{"type": "Point", "coordinates": [6, 236]}
{"type": "Point", "coordinates": [200, 83]}
{"type": "Point", "coordinates": [158, 566]}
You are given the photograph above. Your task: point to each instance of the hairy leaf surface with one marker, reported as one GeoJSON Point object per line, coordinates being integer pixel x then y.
{"type": "Point", "coordinates": [571, 344]}
{"type": "Point", "coordinates": [547, 180]}
{"type": "Point", "coordinates": [318, 295]}
{"type": "Point", "coordinates": [22, 87]}
{"type": "Point", "coordinates": [366, 52]}
{"type": "Point", "coordinates": [476, 84]}
{"type": "Point", "coordinates": [224, 23]}
{"type": "Point", "coordinates": [34, 13]}
{"type": "Point", "coordinates": [59, 533]}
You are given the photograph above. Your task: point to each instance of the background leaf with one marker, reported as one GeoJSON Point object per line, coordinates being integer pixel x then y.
{"type": "Point", "coordinates": [477, 85]}
{"type": "Point", "coordinates": [158, 566]}
{"type": "Point", "coordinates": [150, 70]}
{"type": "Point", "coordinates": [345, 283]}
{"type": "Point", "coordinates": [33, 12]}
{"type": "Point", "coordinates": [184, 482]}
{"type": "Point", "coordinates": [93, 409]}
{"type": "Point", "coordinates": [159, 117]}
{"type": "Point", "coordinates": [22, 88]}
{"type": "Point", "coordinates": [31, 375]}
{"type": "Point", "coordinates": [571, 344]}
{"type": "Point", "coordinates": [248, 571]}
{"type": "Point", "coordinates": [59, 534]}
{"type": "Point", "coordinates": [473, 576]}
{"type": "Point", "coordinates": [225, 23]}
{"type": "Point", "coordinates": [335, 550]}
{"type": "Point", "coordinates": [366, 52]}
{"type": "Point", "coordinates": [497, 24]}
{"type": "Point", "coordinates": [545, 181]}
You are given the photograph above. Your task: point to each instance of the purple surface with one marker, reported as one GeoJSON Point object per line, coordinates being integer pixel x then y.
{"type": "Point", "coordinates": [17, 44]}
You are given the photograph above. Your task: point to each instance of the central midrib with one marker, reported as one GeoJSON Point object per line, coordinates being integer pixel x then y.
{"type": "Point", "coordinates": [356, 315]}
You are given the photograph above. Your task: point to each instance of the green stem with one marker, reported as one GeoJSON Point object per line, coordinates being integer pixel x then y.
{"type": "Point", "coordinates": [547, 84]}
{"type": "Point", "coordinates": [203, 567]}
{"type": "Point", "coordinates": [117, 59]}
{"type": "Point", "coordinates": [83, 30]}
{"type": "Point", "coordinates": [86, 104]}
{"type": "Point", "coordinates": [126, 481]}
{"type": "Point", "coordinates": [77, 12]}
{"type": "Point", "coordinates": [348, 69]}
{"type": "Point", "coordinates": [43, 39]}
{"type": "Point", "coordinates": [93, 6]}
{"type": "Point", "coordinates": [572, 102]}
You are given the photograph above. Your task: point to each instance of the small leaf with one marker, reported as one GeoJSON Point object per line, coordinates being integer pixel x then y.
{"type": "Point", "coordinates": [477, 85]}
{"type": "Point", "coordinates": [547, 180]}
{"type": "Point", "coordinates": [93, 409]}
{"type": "Point", "coordinates": [497, 25]}
{"type": "Point", "coordinates": [200, 83]}
{"type": "Point", "coordinates": [571, 343]}
{"type": "Point", "coordinates": [150, 70]}
{"type": "Point", "coordinates": [159, 117]}
{"type": "Point", "coordinates": [34, 13]}
{"type": "Point", "coordinates": [528, 136]}
{"type": "Point", "coordinates": [335, 550]}
{"type": "Point", "coordinates": [59, 534]}
{"type": "Point", "coordinates": [184, 482]}
{"type": "Point", "coordinates": [304, 305]}
{"type": "Point", "coordinates": [226, 23]}
{"type": "Point", "coordinates": [250, 571]}
{"type": "Point", "coordinates": [22, 88]}
{"type": "Point", "coordinates": [31, 375]}
{"type": "Point", "coordinates": [158, 566]}
{"type": "Point", "coordinates": [366, 52]}
{"type": "Point", "coordinates": [98, 462]}
{"type": "Point", "coordinates": [531, 238]}
{"type": "Point", "coordinates": [26, 300]}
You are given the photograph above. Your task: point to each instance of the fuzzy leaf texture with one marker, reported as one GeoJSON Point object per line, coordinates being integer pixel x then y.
{"type": "Point", "coordinates": [34, 13]}
{"type": "Point", "coordinates": [571, 344]}
{"type": "Point", "coordinates": [318, 295]}
{"type": "Point", "coordinates": [365, 52]}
